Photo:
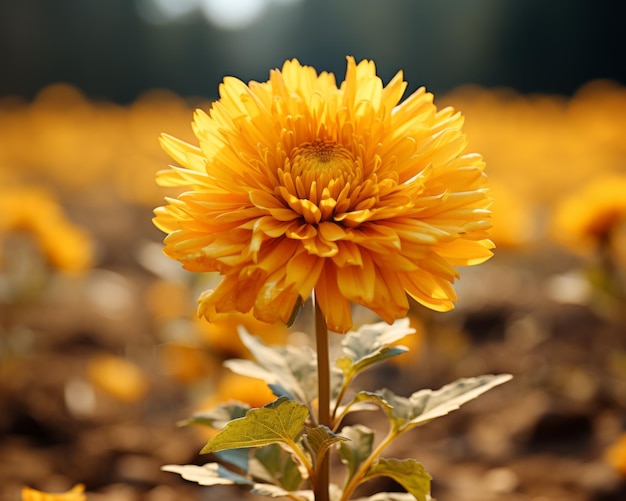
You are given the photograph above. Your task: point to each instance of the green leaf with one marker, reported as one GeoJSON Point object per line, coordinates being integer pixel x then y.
{"type": "Point", "coordinates": [357, 448]}
{"type": "Point", "coordinates": [279, 421]}
{"type": "Point", "coordinates": [407, 472]}
{"type": "Point", "coordinates": [278, 466]}
{"type": "Point", "coordinates": [291, 369]}
{"type": "Point", "coordinates": [219, 416]}
{"type": "Point", "coordinates": [364, 398]}
{"type": "Point", "coordinates": [426, 405]}
{"type": "Point", "coordinates": [208, 474]}
{"type": "Point", "coordinates": [321, 438]}
{"type": "Point", "coordinates": [430, 404]}
{"type": "Point", "coordinates": [372, 344]}
{"type": "Point", "coordinates": [234, 459]}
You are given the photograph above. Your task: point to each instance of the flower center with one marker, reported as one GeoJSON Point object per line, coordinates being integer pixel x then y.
{"type": "Point", "coordinates": [319, 179]}
{"type": "Point", "coordinates": [321, 162]}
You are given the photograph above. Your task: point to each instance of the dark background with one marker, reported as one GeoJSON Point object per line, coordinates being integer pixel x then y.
{"type": "Point", "coordinates": [116, 49]}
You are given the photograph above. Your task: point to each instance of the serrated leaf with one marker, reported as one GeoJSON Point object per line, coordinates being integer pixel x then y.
{"type": "Point", "coordinates": [280, 421]}
{"type": "Point", "coordinates": [293, 369]}
{"type": "Point", "coordinates": [371, 344]}
{"type": "Point", "coordinates": [321, 438]}
{"type": "Point", "coordinates": [218, 416]}
{"type": "Point", "coordinates": [207, 474]}
{"type": "Point", "coordinates": [407, 472]}
{"type": "Point", "coordinates": [426, 405]}
{"type": "Point", "coordinates": [357, 448]}
{"type": "Point", "coordinates": [430, 404]}
{"type": "Point", "coordinates": [278, 467]}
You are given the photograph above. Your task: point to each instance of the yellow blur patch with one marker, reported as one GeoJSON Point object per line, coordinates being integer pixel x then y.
{"type": "Point", "coordinates": [233, 386]}
{"type": "Point", "coordinates": [77, 493]}
{"type": "Point", "coordinates": [414, 342]}
{"type": "Point", "coordinates": [117, 377]}
{"type": "Point", "coordinates": [185, 363]}
{"type": "Point", "coordinates": [615, 455]}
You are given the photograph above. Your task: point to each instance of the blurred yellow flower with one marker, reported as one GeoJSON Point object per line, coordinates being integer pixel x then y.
{"type": "Point", "coordinates": [414, 342]}
{"type": "Point", "coordinates": [300, 185]}
{"type": "Point", "coordinates": [66, 246]}
{"type": "Point", "coordinates": [166, 300]}
{"type": "Point", "coordinates": [232, 386]}
{"type": "Point", "coordinates": [593, 216]}
{"type": "Point", "coordinates": [512, 217]}
{"type": "Point", "coordinates": [615, 454]}
{"type": "Point", "coordinates": [77, 493]}
{"type": "Point", "coordinates": [112, 159]}
{"type": "Point", "coordinates": [186, 363]}
{"type": "Point", "coordinates": [117, 377]}
{"type": "Point", "coordinates": [222, 334]}
{"type": "Point", "coordinates": [544, 146]}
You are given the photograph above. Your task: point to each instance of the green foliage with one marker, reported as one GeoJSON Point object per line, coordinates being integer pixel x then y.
{"type": "Point", "coordinates": [278, 448]}
{"type": "Point", "coordinates": [289, 371]}
{"type": "Point", "coordinates": [279, 421]}
{"type": "Point", "coordinates": [219, 416]}
{"type": "Point", "coordinates": [357, 448]}
{"type": "Point", "coordinates": [407, 472]}
{"type": "Point", "coordinates": [426, 405]}
{"type": "Point", "coordinates": [371, 344]}
{"type": "Point", "coordinates": [276, 466]}
{"type": "Point", "coordinates": [321, 438]}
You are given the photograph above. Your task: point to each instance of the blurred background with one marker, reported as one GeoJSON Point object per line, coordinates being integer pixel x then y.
{"type": "Point", "coordinates": [100, 351]}
{"type": "Point", "coordinates": [118, 49]}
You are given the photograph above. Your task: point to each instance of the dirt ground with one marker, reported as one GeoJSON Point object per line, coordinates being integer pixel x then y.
{"type": "Point", "coordinates": [541, 437]}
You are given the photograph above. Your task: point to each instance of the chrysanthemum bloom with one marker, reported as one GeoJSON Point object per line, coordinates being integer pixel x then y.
{"type": "Point", "coordinates": [299, 185]}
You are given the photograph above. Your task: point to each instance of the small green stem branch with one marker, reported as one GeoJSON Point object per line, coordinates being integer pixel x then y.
{"type": "Point", "coordinates": [303, 458]}
{"type": "Point", "coordinates": [365, 465]}
{"type": "Point", "coordinates": [340, 396]}
{"type": "Point", "coordinates": [321, 481]}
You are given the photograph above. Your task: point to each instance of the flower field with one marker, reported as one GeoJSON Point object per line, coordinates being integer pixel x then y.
{"type": "Point", "coordinates": [102, 354]}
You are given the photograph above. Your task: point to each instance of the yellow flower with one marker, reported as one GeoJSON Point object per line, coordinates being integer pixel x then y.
{"type": "Point", "coordinates": [593, 216]}
{"type": "Point", "coordinates": [222, 335]}
{"type": "Point", "coordinates": [301, 186]}
{"type": "Point", "coordinates": [512, 217]}
{"type": "Point", "coordinates": [77, 493]}
{"type": "Point", "coordinates": [117, 377]}
{"type": "Point", "coordinates": [67, 247]}
{"type": "Point", "coordinates": [235, 387]}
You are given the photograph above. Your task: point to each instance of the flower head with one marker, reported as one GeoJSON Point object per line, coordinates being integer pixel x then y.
{"type": "Point", "coordinates": [300, 185]}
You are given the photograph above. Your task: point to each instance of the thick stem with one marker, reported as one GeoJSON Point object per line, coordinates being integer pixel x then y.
{"type": "Point", "coordinates": [323, 401]}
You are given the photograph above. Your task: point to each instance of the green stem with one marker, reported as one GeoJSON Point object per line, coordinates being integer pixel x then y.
{"type": "Point", "coordinates": [323, 382]}
{"type": "Point", "coordinates": [365, 465]}
{"type": "Point", "coordinates": [340, 395]}
{"type": "Point", "coordinates": [304, 460]}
